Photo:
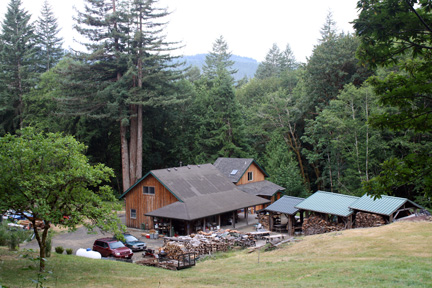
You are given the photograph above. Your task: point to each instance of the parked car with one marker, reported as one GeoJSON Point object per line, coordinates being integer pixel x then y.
{"type": "Point", "coordinates": [133, 243]}
{"type": "Point", "coordinates": [110, 247]}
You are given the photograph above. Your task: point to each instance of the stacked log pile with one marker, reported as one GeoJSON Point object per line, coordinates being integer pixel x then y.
{"type": "Point", "coordinates": [264, 221]}
{"type": "Point", "coordinates": [317, 225]}
{"type": "Point", "coordinates": [204, 243]}
{"type": "Point", "coordinates": [363, 220]}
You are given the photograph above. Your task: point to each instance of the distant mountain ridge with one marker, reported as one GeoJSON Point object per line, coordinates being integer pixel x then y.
{"type": "Point", "coordinates": [245, 66]}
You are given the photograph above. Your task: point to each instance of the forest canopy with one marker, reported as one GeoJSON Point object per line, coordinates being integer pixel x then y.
{"type": "Point", "coordinates": [354, 118]}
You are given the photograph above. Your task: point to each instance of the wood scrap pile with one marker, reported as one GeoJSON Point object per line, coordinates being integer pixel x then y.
{"type": "Point", "coordinates": [317, 225]}
{"type": "Point", "coordinates": [363, 220]}
{"type": "Point", "coordinates": [204, 243]}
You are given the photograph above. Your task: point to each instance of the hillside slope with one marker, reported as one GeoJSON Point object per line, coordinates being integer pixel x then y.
{"type": "Point", "coordinates": [395, 255]}
{"type": "Point", "coordinates": [246, 66]}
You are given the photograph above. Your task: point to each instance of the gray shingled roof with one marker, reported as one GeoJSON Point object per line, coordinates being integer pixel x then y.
{"type": "Point", "coordinates": [261, 188]}
{"type": "Point", "coordinates": [386, 205]}
{"type": "Point", "coordinates": [203, 191]}
{"type": "Point", "coordinates": [286, 205]}
{"type": "Point", "coordinates": [239, 165]}
{"type": "Point", "coordinates": [328, 202]}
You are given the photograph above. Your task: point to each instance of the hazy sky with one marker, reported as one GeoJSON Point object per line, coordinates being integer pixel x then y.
{"type": "Point", "coordinates": [250, 27]}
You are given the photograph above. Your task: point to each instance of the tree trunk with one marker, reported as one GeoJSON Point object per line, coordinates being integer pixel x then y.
{"type": "Point", "coordinates": [133, 144]}
{"type": "Point", "coordinates": [124, 158]}
{"type": "Point", "coordinates": [139, 153]}
{"type": "Point", "coordinates": [42, 244]}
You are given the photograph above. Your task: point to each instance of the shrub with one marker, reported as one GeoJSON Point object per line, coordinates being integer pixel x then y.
{"type": "Point", "coordinates": [59, 249]}
{"type": "Point", "coordinates": [69, 251]}
{"type": "Point", "coordinates": [12, 236]}
{"type": "Point", "coordinates": [48, 246]}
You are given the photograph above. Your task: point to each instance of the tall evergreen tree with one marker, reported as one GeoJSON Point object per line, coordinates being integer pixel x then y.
{"type": "Point", "coordinates": [271, 67]}
{"type": "Point", "coordinates": [17, 65]}
{"type": "Point", "coordinates": [50, 44]}
{"type": "Point", "coordinates": [126, 66]}
{"type": "Point", "coordinates": [218, 61]}
{"type": "Point", "coordinates": [276, 62]}
{"type": "Point", "coordinates": [282, 166]}
{"type": "Point", "coordinates": [221, 131]}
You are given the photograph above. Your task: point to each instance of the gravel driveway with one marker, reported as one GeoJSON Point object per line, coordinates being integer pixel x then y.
{"type": "Point", "coordinates": [82, 238]}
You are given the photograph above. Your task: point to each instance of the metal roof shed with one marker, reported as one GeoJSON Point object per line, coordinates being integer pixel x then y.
{"type": "Point", "coordinates": [286, 205]}
{"type": "Point", "coordinates": [328, 203]}
{"type": "Point", "coordinates": [386, 205]}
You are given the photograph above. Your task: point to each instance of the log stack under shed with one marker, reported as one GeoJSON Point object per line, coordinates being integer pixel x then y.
{"type": "Point", "coordinates": [317, 225]}
{"type": "Point", "coordinates": [364, 220]}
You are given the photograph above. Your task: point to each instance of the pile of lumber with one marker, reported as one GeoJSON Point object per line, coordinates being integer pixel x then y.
{"type": "Point", "coordinates": [204, 243]}
{"type": "Point", "coordinates": [363, 220]}
{"type": "Point", "coordinates": [317, 225]}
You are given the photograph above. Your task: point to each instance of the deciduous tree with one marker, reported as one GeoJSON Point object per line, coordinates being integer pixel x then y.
{"type": "Point", "coordinates": [48, 176]}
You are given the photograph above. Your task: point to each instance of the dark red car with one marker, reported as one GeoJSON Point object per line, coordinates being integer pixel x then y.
{"type": "Point", "coordinates": [109, 247]}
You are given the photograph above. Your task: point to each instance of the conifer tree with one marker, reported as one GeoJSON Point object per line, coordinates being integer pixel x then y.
{"type": "Point", "coordinates": [17, 65]}
{"type": "Point", "coordinates": [221, 131]}
{"type": "Point", "coordinates": [218, 61]}
{"type": "Point", "coordinates": [126, 66]}
{"type": "Point", "coordinates": [49, 42]}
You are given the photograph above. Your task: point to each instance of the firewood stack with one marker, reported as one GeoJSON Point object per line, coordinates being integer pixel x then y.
{"type": "Point", "coordinates": [317, 225]}
{"type": "Point", "coordinates": [204, 243]}
{"type": "Point", "coordinates": [264, 221]}
{"type": "Point", "coordinates": [363, 220]}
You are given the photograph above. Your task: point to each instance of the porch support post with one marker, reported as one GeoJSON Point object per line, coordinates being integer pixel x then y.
{"type": "Point", "coordinates": [233, 221]}
{"type": "Point", "coordinates": [246, 215]}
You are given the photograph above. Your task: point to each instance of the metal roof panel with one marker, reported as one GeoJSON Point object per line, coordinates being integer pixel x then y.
{"type": "Point", "coordinates": [386, 205]}
{"type": "Point", "coordinates": [328, 202]}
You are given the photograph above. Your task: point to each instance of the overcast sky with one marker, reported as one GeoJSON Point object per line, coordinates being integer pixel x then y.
{"type": "Point", "coordinates": [250, 27]}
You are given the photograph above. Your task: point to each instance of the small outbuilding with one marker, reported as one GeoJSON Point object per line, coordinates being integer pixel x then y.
{"type": "Point", "coordinates": [329, 206]}
{"type": "Point", "coordinates": [286, 205]}
{"type": "Point", "coordinates": [389, 207]}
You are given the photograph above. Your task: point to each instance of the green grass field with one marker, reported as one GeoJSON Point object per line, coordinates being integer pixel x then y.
{"type": "Point", "coordinates": [396, 255]}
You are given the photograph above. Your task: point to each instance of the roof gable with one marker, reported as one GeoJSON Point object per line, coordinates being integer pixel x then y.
{"type": "Point", "coordinates": [329, 203]}
{"type": "Point", "coordinates": [386, 205]}
{"type": "Point", "coordinates": [228, 166]}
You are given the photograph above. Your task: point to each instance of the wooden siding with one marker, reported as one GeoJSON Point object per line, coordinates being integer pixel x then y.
{"type": "Point", "coordinates": [135, 199]}
{"type": "Point", "coordinates": [257, 175]}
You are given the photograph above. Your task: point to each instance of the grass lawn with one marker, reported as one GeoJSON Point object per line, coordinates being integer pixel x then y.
{"type": "Point", "coordinates": [396, 255]}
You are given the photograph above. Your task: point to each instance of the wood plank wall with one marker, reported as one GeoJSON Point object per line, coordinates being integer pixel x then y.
{"type": "Point", "coordinates": [135, 199]}
{"type": "Point", "coordinates": [257, 175]}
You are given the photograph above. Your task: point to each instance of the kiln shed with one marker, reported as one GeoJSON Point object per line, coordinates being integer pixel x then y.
{"type": "Point", "coordinates": [286, 205]}
{"type": "Point", "coordinates": [185, 199]}
{"type": "Point", "coordinates": [327, 204]}
{"type": "Point", "coordinates": [388, 206]}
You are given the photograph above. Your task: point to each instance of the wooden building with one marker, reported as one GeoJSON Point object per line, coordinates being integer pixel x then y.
{"type": "Point", "coordinates": [249, 177]}
{"type": "Point", "coordinates": [185, 199]}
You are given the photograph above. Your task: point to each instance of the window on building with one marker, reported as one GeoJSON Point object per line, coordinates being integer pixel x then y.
{"type": "Point", "coordinates": [250, 176]}
{"type": "Point", "coordinates": [148, 190]}
{"type": "Point", "coordinates": [133, 213]}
